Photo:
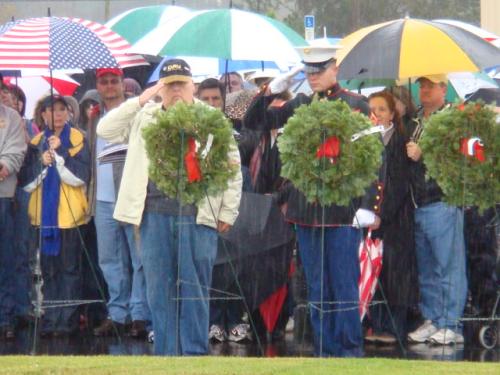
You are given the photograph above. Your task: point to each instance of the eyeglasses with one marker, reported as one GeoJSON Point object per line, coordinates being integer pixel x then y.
{"type": "Point", "coordinates": [112, 81]}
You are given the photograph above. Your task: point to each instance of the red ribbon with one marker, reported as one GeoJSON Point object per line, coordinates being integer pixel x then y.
{"type": "Point", "coordinates": [473, 147]}
{"type": "Point", "coordinates": [191, 162]}
{"type": "Point", "coordinates": [329, 149]}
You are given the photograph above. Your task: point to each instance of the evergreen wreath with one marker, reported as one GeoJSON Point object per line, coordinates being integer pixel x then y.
{"type": "Point", "coordinates": [460, 147]}
{"type": "Point", "coordinates": [167, 153]}
{"type": "Point", "coordinates": [329, 180]}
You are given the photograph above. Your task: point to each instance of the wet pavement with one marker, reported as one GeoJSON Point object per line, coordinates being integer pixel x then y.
{"type": "Point", "coordinates": [86, 344]}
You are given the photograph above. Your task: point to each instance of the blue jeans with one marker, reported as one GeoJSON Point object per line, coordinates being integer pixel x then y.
{"type": "Point", "coordinates": [7, 261]}
{"type": "Point", "coordinates": [178, 257]}
{"type": "Point", "coordinates": [333, 299]}
{"type": "Point", "coordinates": [24, 236]}
{"type": "Point", "coordinates": [121, 265]}
{"type": "Point", "coordinates": [440, 251]}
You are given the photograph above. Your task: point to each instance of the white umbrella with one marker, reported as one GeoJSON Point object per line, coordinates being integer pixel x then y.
{"type": "Point", "coordinates": [37, 86]}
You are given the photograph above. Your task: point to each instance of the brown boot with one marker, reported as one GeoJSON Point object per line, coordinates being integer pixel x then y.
{"type": "Point", "coordinates": [108, 328]}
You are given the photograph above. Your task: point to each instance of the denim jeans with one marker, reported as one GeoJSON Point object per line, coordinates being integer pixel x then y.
{"type": "Point", "coordinates": [178, 257]}
{"type": "Point", "coordinates": [7, 261]}
{"type": "Point", "coordinates": [121, 265]}
{"type": "Point", "coordinates": [333, 299]}
{"type": "Point", "coordinates": [440, 251]}
{"type": "Point", "coordinates": [23, 240]}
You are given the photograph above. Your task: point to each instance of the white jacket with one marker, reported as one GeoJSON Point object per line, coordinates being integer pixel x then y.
{"type": "Point", "coordinates": [124, 124]}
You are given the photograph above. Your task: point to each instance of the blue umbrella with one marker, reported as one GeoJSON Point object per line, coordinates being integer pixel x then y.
{"type": "Point", "coordinates": [212, 66]}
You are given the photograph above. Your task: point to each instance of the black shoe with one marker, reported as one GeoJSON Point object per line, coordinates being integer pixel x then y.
{"type": "Point", "coordinates": [7, 332]}
{"type": "Point", "coordinates": [24, 321]}
{"type": "Point", "coordinates": [108, 328]}
{"type": "Point", "coordinates": [138, 329]}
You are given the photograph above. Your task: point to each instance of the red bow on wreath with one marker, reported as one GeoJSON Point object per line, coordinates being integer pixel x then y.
{"type": "Point", "coordinates": [473, 147]}
{"type": "Point", "coordinates": [191, 162]}
{"type": "Point", "coordinates": [329, 149]}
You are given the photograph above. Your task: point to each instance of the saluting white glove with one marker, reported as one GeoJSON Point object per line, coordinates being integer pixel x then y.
{"type": "Point", "coordinates": [284, 81]}
{"type": "Point", "coordinates": [363, 218]}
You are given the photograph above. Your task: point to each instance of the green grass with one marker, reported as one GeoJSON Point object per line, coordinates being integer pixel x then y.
{"type": "Point", "coordinates": [232, 365]}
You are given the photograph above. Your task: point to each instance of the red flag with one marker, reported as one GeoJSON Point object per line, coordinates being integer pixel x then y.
{"type": "Point", "coordinates": [191, 162]}
{"type": "Point", "coordinates": [329, 149]}
{"type": "Point", "coordinates": [473, 147]}
{"type": "Point", "coordinates": [270, 309]}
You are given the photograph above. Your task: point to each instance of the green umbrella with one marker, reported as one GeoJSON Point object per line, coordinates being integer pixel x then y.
{"type": "Point", "coordinates": [225, 33]}
{"type": "Point", "coordinates": [133, 24]}
{"type": "Point", "coordinates": [460, 85]}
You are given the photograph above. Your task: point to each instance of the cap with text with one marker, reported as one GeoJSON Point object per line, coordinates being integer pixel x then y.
{"type": "Point", "coordinates": [175, 70]}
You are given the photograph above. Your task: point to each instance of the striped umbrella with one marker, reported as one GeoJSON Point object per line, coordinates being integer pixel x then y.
{"type": "Point", "coordinates": [135, 23]}
{"type": "Point", "coordinates": [62, 43]}
{"type": "Point", "coordinates": [225, 33]}
{"type": "Point", "coordinates": [411, 48]}
{"type": "Point", "coordinates": [486, 35]}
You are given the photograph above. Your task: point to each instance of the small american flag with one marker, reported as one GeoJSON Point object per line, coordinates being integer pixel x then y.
{"type": "Point", "coordinates": [63, 43]}
{"type": "Point", "coordinates": [370, 262]}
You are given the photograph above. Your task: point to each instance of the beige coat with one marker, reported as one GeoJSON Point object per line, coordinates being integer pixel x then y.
{"type": "Point", "coordinates": [124, 124]}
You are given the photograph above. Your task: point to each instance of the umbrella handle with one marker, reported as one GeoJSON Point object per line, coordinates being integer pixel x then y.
{"type": "Point", "coordinates": [369, 234]}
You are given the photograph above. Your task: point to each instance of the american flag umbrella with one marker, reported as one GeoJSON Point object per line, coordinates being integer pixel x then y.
{"type": "Point", "coordinates": [370, 261]}
{"type": "Point", "coordinates": [53, 43]}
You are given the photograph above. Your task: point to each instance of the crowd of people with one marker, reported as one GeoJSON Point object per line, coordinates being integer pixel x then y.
{"type": "Point", "coordinates": [105, 230]}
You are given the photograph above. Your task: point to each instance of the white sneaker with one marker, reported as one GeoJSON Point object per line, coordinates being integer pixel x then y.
{"type": "Point", "coordinates": [422, 333]}
{"type": "Point", "coordinates": [446, 336]}
{"type": "Point", "coordinates": [240, 332]}
{"type": "Point", "coordinates": [216, 333]}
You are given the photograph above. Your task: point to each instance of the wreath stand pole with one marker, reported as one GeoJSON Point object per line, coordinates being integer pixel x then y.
{"type": "Point", "coordinates": [177, 240]}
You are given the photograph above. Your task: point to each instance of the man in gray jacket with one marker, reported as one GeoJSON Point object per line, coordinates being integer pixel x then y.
{"type": "Point", "coordinates": [12, 149]}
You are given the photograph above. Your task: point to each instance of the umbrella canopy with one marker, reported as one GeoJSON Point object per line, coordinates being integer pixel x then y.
{"type": "Point", "coordinates": [135, 23]}
{"type": "Point", "coordinates": [37, 86]}
{"type": "Point", "coordinates": [460, 84]}
{"type": "Point", "coordinates": [484, 34]}
{"type": "Point", "coordinates": [62, 43]}
{"type": "Point", "coordinates": [212, 66]}
{"type": "Point", "coordinates": [411, 48]}
{"type": "Point", "coordinates": [226, 33]}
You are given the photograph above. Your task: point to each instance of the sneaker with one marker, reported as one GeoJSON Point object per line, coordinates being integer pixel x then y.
{"type": "Point", "coordinates": [385, 338]}
{"type": "Point", "coordinates": [109, 327]}
{"type": "Point", "coordinates": [240, 332]}
{"type": "Point", "coordinates": [151, 337]}
{"type": "Point", "coordinates": [446, 336]}
{"type": "Point", "coordinates": [216, 333]}
{"type": "Point", "coordinates": [422, 333]}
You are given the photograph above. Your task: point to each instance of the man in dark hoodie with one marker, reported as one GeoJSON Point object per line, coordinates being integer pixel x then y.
{"type": "Point", "coordinates": [439, 238]}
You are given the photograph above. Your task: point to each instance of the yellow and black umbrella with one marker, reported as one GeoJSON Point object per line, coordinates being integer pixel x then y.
{"type": "Point", "coordinates": [411, 48]}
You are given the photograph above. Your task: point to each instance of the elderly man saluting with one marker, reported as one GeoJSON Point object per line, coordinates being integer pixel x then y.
{"type": "Point", "coordinates": [177, 279]}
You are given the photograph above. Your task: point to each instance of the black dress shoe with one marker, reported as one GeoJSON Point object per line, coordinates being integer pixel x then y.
{"type": "Point", "coordinates": [108, 328]}
{"type": "Point", "coordinates": [46, 334]}
{"type": "Point", "coordinates": [7, 332]}
{"type": "Point", "coordinates": [138, 329]}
